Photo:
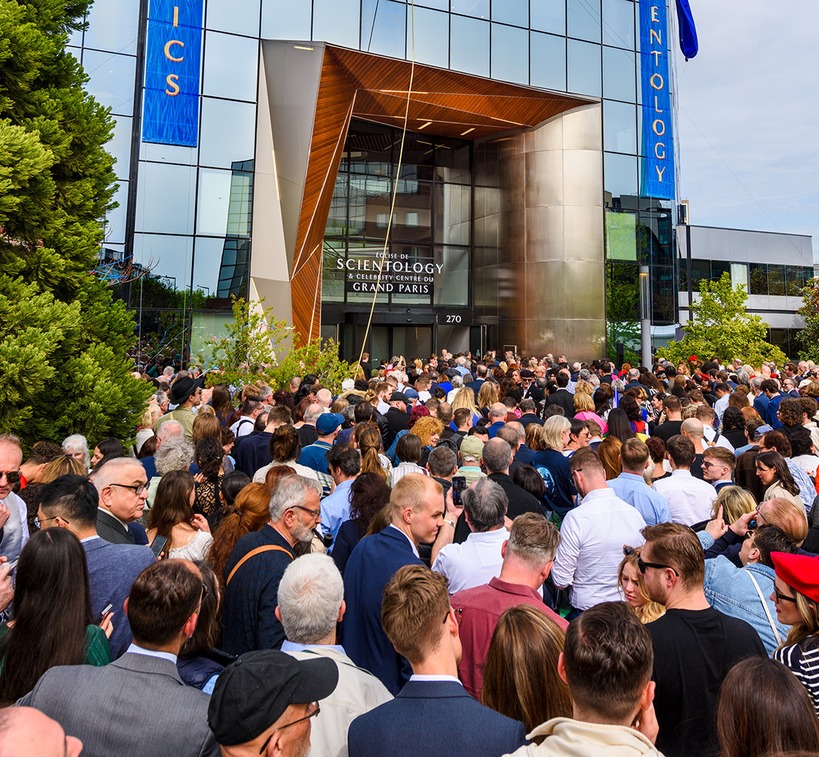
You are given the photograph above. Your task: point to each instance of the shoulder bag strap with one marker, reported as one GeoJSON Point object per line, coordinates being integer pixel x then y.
{"type": "Point", "coordinates": [253, 553]}
{"type": "Point", "coordinates": [765, 607]}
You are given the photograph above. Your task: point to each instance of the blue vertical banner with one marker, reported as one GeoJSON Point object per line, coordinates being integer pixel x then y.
{"type": "Point", "coordinates": [658, 139]}
{"type": "Point", "coordinates": [172, 70]}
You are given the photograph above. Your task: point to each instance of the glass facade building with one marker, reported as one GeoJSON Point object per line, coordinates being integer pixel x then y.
{"type": "Point", "coordinates": [494, 224]}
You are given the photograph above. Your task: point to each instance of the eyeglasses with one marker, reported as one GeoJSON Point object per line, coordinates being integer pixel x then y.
{"type": "Point", "coordinates": [38, 522]}
{"type": "Point", "coordinates": [12, 476]}
{"type": "Point", "coordinates": [315, 513]}
{"type": "Point", "coordinates": [287, 725]}
{"type": "Point", "coordinates": [641, 566]}
{"type": "Point", "coordinates": [780, 597]}
{"type": "Point", "coordinates": [706, 464]}
{"type": "Point", "coordinates": [136, 489]}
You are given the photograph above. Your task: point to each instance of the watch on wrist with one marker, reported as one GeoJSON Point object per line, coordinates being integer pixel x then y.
{"type": "Point", "coordinates": [450, 522]}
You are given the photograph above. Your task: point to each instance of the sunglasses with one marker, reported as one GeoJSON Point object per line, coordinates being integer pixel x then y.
{"type": "Point", "coordinates": [12, 476]}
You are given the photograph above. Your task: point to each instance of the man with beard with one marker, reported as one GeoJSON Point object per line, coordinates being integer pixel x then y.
{"type": "Point", "coordinates": [258, 561]}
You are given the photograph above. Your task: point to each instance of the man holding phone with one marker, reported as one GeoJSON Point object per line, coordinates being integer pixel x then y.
{"type": "Point", "coordinates": [71, 502]}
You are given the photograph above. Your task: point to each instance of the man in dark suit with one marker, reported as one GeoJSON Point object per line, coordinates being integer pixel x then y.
{"type": "Point", "coordinates": [397, 417]}
{"type": "Point", "coordinates": [497, 457]}
{"type": "Point", "coordinates": [528, 408]}
{"type": "Point", "coordinates": [138, 704]}
{"type": "Point", "coordinates": [433, 714]}
{"type": "Point", "coordinates": [71, 502]}
{"type": "Point", "coordinates": [257, 563]}
{"type": "Point", "coordinates": [562, 397]}
{"type": "Point", "coordinates": [529, 387]}
{"type": "Point", "coordinates": [122, 486]}
{"type": "Point", "coordinates": [417, 509]}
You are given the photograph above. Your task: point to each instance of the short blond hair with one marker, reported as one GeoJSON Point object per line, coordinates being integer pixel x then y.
{"type": "Point", "coordinates": [410, 491]}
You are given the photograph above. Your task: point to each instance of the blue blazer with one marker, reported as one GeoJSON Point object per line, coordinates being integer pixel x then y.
{"type": "Point", "coordinates": [434, 719]}
{"type": "Point", "coordinates": [371, 565]}
{"type": "Point", "coordinates": [112, 570]}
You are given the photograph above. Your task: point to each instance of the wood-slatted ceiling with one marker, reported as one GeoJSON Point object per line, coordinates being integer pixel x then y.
{"type": "Point", "coordinates": [443, 103]}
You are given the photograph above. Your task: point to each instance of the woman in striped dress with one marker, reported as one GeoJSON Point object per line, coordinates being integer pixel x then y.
{"type": "Point", "coordinates": [796, 594]}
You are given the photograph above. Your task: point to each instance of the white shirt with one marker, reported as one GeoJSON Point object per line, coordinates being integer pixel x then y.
{"type": "Point", "coordinates": [243, 426]}
{"type": "Point", "coordinates": [301, 470]}
{"type": "Point", "coordinates": [689, 499]}
{"type": "Point", "coordinates": [591, 548]}
{"type": "Point", "coordinates": [720, 405]}
{"type": "Point", "coordinates": [474, 562]}
{"type": "Point", "coordinates": [709, 434]}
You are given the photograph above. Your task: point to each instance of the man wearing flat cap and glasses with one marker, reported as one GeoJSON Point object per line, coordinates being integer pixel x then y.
{"type": "Point", "coordinates": [186, 394]}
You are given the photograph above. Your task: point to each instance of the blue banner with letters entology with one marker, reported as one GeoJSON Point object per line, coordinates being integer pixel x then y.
{"type": "Point", "coordinates": [658, 141]}
{"type": "Point", "coordinates": [171, 103]}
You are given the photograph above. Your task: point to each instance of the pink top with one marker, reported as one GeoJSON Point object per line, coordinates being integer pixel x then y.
{"type": "Point", "coordinates": [587, 416]}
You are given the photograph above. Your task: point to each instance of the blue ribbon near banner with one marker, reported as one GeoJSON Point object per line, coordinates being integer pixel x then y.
{"type": "Point", "coordinates": [658, 140]}
{"type": "Point", "coordinates": [172, 70]}
{"type": "Point", "coordinates": [689, 44]}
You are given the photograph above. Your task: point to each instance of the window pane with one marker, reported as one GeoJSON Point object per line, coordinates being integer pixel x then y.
{"type": "Point", "coordinates": [167, 153]}
{"type": "Point", "coordinates": [165, 198]}
{"type": "Point", "coordinates": [332, 277]}
{"type": "Point", "coordinates": [230, 16]}
{"type": "Point", "coordinates": [510, 53]}
{"type": "Point", "coordinates": [120, 146]}
{"type": "Point", "coordinates": [718, 267]}
{"type": "Point", "coordinates": [548, 57]}
{"type": "Point", "coordinates": [453, 213]}
{"type": "Point", "coordinates": [620, 174]}
{"type": "Point", "coordinates": [477, 8]}
{"type": "Point", "coordinates": [336, 21]}
{"type": "Point", "coordinates": [619, 77]}
{"type": "Point", "coordinates": [170, 257]}
{"type": "Point", "coordinates": [511, 12]}
{"type": "Point", "coordinates": [284, 19]}
{"type": "Point", "coordinates": [470, 45]}
{"type": "Point", "coordinates": [214, 196]}
{"type": "Point", "coordinates": [111, 80]}
{"type": "Point", "coordinates": [383, 27]}
{"type": "Point", "coordinates": [618, 23]}
{"type": "Point", "coordinates": [112, 25]}
{"type": "Point", "coordinates": [759, 278]}
{"type": "Point", "coordinates": [230, 66]}
{"type": "Point", "coordinates": [452, 284]}
{"type": "Point", "coordinates": [795, 279]}
{"type": "Point", "coordinates": [700, 269]}
{"type": "Point", "coordinates": [583, 19]}
{"type": "Point", "coordinates": [228, 130]}
{"type": "Point", "coordinates": [431, 37]}
{"type": "Point", "coordinates": [408, 290]}
{"type": "Point", "coordinates": [441, 5]}
{"type": "Point", "coordinates": [584, 68]}
{"type": "Point", "coordinates": [207, 263]}
{"type": "Point", "coordinates": [115, 219]}
{"type": "Point", "coordinates": [549, 15]}
{"type": "Point", "coordinates": [619, 127]}
{"type": "Point", "coordinates": [776, 279]}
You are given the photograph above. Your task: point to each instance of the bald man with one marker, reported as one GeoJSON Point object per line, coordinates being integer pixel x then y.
{"type": "Point", "coordinates": [26, 732]}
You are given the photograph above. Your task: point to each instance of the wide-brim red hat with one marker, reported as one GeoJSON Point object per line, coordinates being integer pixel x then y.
{"type": "Point", "coordinates": [800, 572]}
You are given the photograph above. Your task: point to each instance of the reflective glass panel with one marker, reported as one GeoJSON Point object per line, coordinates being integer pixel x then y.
{"type": "Point", "coordinates": [167, 153]}
{"type": "Point", "coordinates": [758, 278]}
{"type": "Point", "coordinates": [510, 53]}
{"type": "Point", "coordinates": [231, 64]}
{"type": "Point", "coordinates": [619, 127]}
{"type": "Point", "coordinates": [284, 19]}
{"type": "Point", "coordinates": [452, 283]}
{"type": "Point", "coordinates": [453, 213]}
{"type": "Point", "coordinates": [165, 198]}
{"type": "Point", "coordinates": [120, 146]}
{"type": "Point", "coordinates": [115, 219]}
{"type": "Point", "coordinates": [441, 5]}
{"type": "Point", "coordinates": [332, 276]}
{"type": "Point", "coordinates": [383, 27]}
{"type": "Point", "coordinates": [548, 15]}
{"type": "Point", "coordinates": [477, 8]}
{"type": "Point", "coordinates": [169, 257]}
{"type": "Point", "coordinates": [214, 197]}
{"type": "Point", "coordinates": [112, 25]}
{"type": "Point", "coordinates": [619, 78]}
{"type": "Point", "coordinates": [776, 279]}
{"type": "Point", "coordinates": [548, 61]}
{"type": "Point", "coordinates": [620, 174]}
{"type": "Point", "coordinates": [413, 288]}
{"type": "Point", "coordinates": [583, 19]}
{"type": "Point", "coordinates": [796, 277]}
{"type": "Point", "coordinates": [209, 255]}
{"type": "Point", "coordinates": [227, 135]}
{"type": "Point", "coordinates": [514, 12]}
{"type": "Point", "coordinates": [469, 46]}
{"type": "Point", "coordinates": [230, 16]}
{"type": "Point", "coordinates": [584, 68]}
{"type": "Point", "coordinates": [111, 80]}
{"type": "Point", "coordinates": [431, 37]}
{"type": "Point", "coordinates": [337, 21]}
{"type": "Point", "coordinates": [618, 23]}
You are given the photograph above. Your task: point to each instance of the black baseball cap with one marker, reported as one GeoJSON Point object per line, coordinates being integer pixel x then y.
{"type": "Point", "coordinates": [253, 692]}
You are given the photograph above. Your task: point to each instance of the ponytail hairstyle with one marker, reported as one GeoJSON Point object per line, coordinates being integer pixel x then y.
{"type": "Point", "coordinates": [368, 441]}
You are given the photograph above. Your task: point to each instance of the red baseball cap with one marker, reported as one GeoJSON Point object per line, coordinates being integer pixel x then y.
{"type": "Point", "coordinates": [800, 572]}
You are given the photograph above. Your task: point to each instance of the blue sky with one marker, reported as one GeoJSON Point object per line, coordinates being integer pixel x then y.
{"type": "Point", "coordinates": [748, 120]}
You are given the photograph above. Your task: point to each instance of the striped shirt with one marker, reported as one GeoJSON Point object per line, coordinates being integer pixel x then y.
{"type": "Point", "coordinates": [803, 660]}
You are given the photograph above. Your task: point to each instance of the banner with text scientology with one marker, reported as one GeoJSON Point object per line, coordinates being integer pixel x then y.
{"type": "Point", "coordinates": [172, 66]}
{"type": "Point", "coordinates": [657, 178]}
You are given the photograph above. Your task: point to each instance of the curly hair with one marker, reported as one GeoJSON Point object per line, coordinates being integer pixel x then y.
{"type": "Point", "coordinates": [425, 428]}
{"type": "Point", "coordinates": [209, 456]}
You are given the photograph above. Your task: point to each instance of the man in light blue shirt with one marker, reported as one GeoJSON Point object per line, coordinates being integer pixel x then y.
{"type": "Point", "coordinates": [345, 465]}
{"type": "Point", "coordinates": [631, 487]}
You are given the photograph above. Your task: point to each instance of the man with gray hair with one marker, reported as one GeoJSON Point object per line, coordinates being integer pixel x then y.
{"type": "Point", "coordinates": [528, 556]}
{"type": "Point", "coordinates": [167, 432]}
{"type": "Point", "coordinates": [497, 417]}
{"type": "Point", "coordinates": [311, 604]}
{"type": "Point", "coordinates": [479, 558]}
{"type": "Point", "coordinates": [123, 488]}
{"type": "Point", "coordinates": [258, 561]}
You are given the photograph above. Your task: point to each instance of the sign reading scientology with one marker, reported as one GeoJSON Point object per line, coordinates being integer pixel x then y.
{"type": "Point", "coordinates": [397, 274]}
{"type": "Point", "coordinates": [658, 142]}
{"type": "Point", "coordinates": [173, 61]}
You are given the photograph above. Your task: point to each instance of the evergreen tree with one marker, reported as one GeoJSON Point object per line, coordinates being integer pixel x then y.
{"type": "Point", "coordinates": [808, 337]}
{"type": "Point", "coordinates": [721, 326]}
{"type": "Point", "coordinates": [63, 340]}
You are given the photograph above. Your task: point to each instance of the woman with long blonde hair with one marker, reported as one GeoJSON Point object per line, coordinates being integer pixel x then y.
{"type": "Point", "coordinates": [466, 398]}
{"type": "Point", "coordinates": [487, 396]}
{"type": "Point", "coordinates": [633, 587]}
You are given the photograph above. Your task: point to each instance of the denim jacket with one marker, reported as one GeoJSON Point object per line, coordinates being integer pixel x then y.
{"type": "Point", "coordinates": [733, 593]}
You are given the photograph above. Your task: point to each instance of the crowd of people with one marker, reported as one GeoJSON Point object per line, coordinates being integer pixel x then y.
{"type": "Point", "coordinates": [467, 555]}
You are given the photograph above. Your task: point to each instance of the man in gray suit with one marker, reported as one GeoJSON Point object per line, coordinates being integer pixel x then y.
{"type": "Point", "coordinates": [138, 705]}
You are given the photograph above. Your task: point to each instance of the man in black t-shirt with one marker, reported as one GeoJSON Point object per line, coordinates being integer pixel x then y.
{"type": "Point", "coordinates": [694, 645]}
{"type": "Point", "coordinates": [672, 423]}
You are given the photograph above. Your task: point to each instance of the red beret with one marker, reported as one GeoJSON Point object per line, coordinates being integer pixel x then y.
{"type": "Point", "coordinates": [800, 572]}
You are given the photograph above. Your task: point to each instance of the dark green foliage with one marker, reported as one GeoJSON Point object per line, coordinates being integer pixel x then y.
{"type": "Point", "coordinates": [63, 341]}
